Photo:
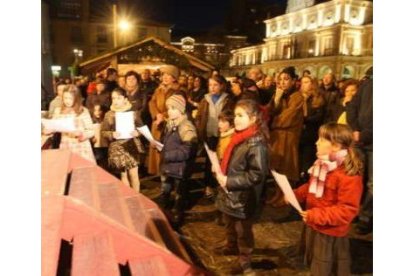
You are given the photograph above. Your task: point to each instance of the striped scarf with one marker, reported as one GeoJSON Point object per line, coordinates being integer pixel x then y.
{"type": "Point", "coordinates": [320, 169]}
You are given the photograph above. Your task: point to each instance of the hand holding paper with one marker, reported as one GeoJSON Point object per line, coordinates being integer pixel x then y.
{"type": "Point", "coordinates": [284, 185]}
{"type": "Point", "coordinates": [59, 125]}
{"type": "Point", "coordinates": [215, 167]}
{"type": "Point", "coordinates": [124, 124]}
{"type": "Point", "coordinates": [144, 130]}
{"type": "Point", "coordinates": [215, 164]}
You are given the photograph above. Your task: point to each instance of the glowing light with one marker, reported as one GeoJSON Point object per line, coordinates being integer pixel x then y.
{"type": "Point", "coordinates": [124, 25]}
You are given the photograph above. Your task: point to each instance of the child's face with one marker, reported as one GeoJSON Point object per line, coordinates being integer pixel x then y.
{"type": "Point", "coordinates": [118, 100]}
{"type": "Point", "coordinates": [173, 113]}
{"type": "Point", "coordinates": [100, 87]}
{"type": "Point", "coordinates": [325, 147]}
{"type": "Point", "coordinates": [242, 119]}
{"type": "Point", "coordinates": [214, 87]}
{"type": "Point", "coordinates": [97, 112]}
{"type": "Point", "coordinates": [68, 99]}
{"type": "Point", "coordinates": [223, 126]}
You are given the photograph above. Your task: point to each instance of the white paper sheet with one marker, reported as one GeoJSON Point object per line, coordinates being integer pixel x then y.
{"type": "Point", "coordinates": [144, 130]}
{"type": "Point", "coordinates": [215, 164]}
{"type": "Point", "coordinates": [284, 185]}
{"type": "Point", "coordinates": [60, 125]}
{"type": "Point", "coordinates": [124, 124]}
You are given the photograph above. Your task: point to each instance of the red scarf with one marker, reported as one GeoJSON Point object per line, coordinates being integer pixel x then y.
{"type": "Point", "coordinates": [320, 169]}
{"type": "Point", "coordinates": [237, 138]}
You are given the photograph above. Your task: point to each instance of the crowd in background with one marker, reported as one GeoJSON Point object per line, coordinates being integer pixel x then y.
{"type": "Point", "coordinates": [254, 123]}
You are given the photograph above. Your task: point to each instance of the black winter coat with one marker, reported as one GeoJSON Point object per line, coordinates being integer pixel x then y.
{"type": "Point", "coordinates": [360, 113]}
{"type": "Point", "coordinates": [246, 176]}
{"type": "Point", "coordinates": [178, 154]}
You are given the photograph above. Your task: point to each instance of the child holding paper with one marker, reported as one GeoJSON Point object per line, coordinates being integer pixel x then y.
{"type": "Point", "coordinates": [243, 168]}
{"type": "Point", "coordinates": [332, 198]}
{"type": "Point", "coordinates": [76, 141]}
{"type": "Point", "coordinates": [123, 154]}
{"type": "Point", "coordinates": [180, 145]}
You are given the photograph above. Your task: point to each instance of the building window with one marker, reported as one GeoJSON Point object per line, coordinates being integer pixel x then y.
{"type": "Point", "coordinates": [286, 51]}
{"type": "Point", "coordinates": [71, 9]}
{"type": "Point", "coordinates": [328, 46]}
{"type": "Point", "coordinates": [311, 48]}
{"type": "Point", "coordinates": [76, 34]}
{"type": "Point", "coordinates": [349, 46]}
{"type": "Point", "coordinates": [102, 34]}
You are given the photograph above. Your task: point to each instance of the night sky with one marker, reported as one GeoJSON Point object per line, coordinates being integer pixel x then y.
{"type": "Point", "coordinates": [188, 15]}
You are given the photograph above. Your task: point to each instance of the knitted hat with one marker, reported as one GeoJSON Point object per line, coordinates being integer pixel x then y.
{"type": "Point", "coordinates": [171, 70]}
{"type": "Point", "coordinates": [177, 101]}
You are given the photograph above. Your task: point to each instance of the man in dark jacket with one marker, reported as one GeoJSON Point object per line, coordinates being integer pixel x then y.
{"type": "Point", "coordinates": [331, 94]}
{"type": "Point", "coordinates": [359, 117]}
{"type": "Point", "coordinates": [147, 87]}
{"type": "Point", "coordinates": [111, 76]}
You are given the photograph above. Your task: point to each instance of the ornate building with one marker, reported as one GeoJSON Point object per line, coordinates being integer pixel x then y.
{"type": "Point", "coordinates": [215, 50]}
{"type": "Point", "coordinates": [333, 36]}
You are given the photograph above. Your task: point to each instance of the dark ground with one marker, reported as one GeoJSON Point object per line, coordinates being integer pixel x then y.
{"type": "Point", "coordinates": [277, 239]}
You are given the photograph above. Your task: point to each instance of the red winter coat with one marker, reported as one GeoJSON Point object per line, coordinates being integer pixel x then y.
{"type": "Point", "coordinates": [333, 213]}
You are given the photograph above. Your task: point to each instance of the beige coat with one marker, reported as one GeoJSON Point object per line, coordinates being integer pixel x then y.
{"type": "Point", "coordinates": [285, 130]}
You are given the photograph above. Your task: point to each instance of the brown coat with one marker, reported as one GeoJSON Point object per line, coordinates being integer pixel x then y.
{"type": "Point", "coordinates": [285, 129]}
{"type": "Point", "coordinates": [203, 114]}
{"type": "Point", "coordinates": [157, 106]}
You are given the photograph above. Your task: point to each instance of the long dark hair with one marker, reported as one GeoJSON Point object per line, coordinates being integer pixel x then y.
{"type": "Point", "coordinates": [252, 108]}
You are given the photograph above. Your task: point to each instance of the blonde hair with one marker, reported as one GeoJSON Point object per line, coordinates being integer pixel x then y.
{"type": "Point", "coordinates": [342, 136]}
{"type": "Point", "coordinates": [317, 98]}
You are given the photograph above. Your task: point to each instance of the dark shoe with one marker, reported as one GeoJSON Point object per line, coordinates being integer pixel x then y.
{"type": "Point", "coordinates": [226, 251]}
{"type": "Point", "coordinates": [164, 201]}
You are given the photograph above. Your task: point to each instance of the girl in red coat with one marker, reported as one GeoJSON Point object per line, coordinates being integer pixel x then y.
{"type": "Point", "coordinates": [332, 198]}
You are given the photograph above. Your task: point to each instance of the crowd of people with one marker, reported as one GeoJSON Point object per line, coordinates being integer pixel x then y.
{"type": "Point", "coordinates": [255, 123]}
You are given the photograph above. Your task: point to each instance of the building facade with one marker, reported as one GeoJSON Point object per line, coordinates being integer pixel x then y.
{"type": "Point", "coordinates": [77, 35]}
{"type": "Point", "coordinates": [211, 50]}
{"type": "Point", "coordinates": [333, 36]}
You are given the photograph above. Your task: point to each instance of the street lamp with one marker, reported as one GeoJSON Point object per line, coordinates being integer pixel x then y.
{"type": "Point", "coordinates": [78, 54]}
{"type": "Point", "coordinates": [124, 25]}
